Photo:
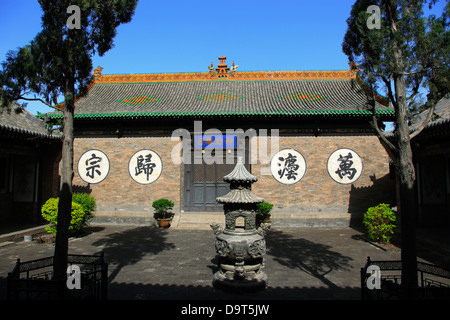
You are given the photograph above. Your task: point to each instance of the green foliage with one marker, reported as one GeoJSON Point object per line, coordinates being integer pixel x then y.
{"type": "Point", "coordinates": [162, 208]}
{"type": "Point", "coordinates": [58, 55]}
{"type": "Point", "coordinates": [50, 213]}
{"type": "Point", "coordinates": [58, 61]}
{"type": "Point", "coordinates": [263, 211]}
{"type": "Point", "coordinates": [380, 222]}
{"type": "Point", "coordinates": [422, 41]}
{"type": "Point", "coordinates": [87, 202]}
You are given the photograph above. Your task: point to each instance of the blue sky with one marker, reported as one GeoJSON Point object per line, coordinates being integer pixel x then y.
{"type": "Point", "coordinates": [186, 36]}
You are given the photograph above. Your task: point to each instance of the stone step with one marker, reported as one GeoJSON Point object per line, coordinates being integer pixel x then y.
{"type": "Point", "coordinates": [197, 221]}
{"type": "Point", "coordinates": [202, 220]}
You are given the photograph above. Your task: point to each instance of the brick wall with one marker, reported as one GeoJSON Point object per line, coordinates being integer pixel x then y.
{"type": "Point", "coordinates": [317, 193]}
{"type": "Point", "coordinates": [119, 195]}
{"type": "Point", "coordinates": [315, 196]}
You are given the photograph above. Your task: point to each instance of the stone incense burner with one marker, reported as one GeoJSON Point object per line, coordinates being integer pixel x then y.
{"type": "Point", "coordinates": [240, 247]}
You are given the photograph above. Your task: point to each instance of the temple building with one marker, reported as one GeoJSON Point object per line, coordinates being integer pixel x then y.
{"type": "Point", "coordinates": [306, 135]}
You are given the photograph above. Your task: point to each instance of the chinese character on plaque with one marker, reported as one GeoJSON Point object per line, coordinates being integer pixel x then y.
{"type": "Point", "coordinates": [344, 166]}
{"type": "Point", "coordinates": [93, 166]}
{"type": "Point", "coordinates": [145, 166]}
{"type": "Point", "coordinates": [288, 166]}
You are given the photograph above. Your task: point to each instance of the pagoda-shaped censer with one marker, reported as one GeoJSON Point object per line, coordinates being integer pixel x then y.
{"type": "Point", "coordinates": [240, 247]}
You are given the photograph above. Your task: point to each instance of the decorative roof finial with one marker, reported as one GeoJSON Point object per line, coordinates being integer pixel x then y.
{"type": "Point", "coordinates": [222, 69]}
{"type": "Point", "coordinates": [97, 72]}
{"type": "Point", "coordinates": [353, 66]}
{"type": "Point", "coordinates": [234, 67]}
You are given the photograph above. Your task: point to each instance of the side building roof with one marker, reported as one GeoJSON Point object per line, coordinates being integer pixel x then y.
{"type": "Point", "coordinates": [19, 123]}
{"type": "Point", "coordinates": [440, 121]}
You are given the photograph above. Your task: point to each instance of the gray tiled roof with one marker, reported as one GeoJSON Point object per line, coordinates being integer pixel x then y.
{"type": "Point", "coordinates": [244, 97]}
{"type": "Point", "coordinates": [440, 118]}
{"type": "Point", "coordinates": [441, 115]}
{"type": "Point", "coordinates": [19, 121]}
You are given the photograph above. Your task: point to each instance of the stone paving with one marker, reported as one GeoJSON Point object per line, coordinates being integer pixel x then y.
{"type": "Point", "coordinates": [149, 263]}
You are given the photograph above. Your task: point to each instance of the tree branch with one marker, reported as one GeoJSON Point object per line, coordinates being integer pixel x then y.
{"type": "Point", "coordinates": [381, 135]}
{"type": "Point", "coordinates": [424, 123]}
{"type": "Point", "coordinates": [418, 80]}
{"type": "Point", "coordinates": [415, 72]}
{"type": "Point", "coordinates": [21, 97]}
{"type": "Point", "coordinates": [40, 100]}
{"type": "Point", "coordinates": [387, 82]}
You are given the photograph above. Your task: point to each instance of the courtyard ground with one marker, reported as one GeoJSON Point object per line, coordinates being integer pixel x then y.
{"type": "Point", "coordinates": [147, 263]}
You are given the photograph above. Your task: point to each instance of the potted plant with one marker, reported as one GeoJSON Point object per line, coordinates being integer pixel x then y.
{"type": "Point", "coordinates": [263, 212]}
{"type": "Point", "coordinates": [163, 212]}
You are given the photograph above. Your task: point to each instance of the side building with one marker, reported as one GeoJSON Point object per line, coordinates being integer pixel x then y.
{"type": "Point", "coordinates": [431, 149]}
{"type": "Point", "coordinates": [29, 164]}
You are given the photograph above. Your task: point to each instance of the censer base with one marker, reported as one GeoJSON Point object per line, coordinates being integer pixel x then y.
{"type": "Point", "coordinates": [257, 283]}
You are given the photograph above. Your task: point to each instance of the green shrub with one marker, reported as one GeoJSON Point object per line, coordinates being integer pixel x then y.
{"type": "Point", "coordinates": [263, 211]}
{"type": "Point", "coordinates": [87, 202]}
{"type": "Point", "coordinates": [162, 208]}
{"type": "Point", "coordinates": [50, 213]}
{"type": "Point", "coordinates": [380, 222]}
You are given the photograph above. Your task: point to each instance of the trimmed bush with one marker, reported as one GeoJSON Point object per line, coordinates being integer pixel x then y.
{"type": "Point", "coordinates": [87, 202]}
{"type": "Point", "coordinates": [50, 213]}
{"type": "Point", "coordinates": [263, 212]}
{"type": "Point", "coordinates": [380, 222]}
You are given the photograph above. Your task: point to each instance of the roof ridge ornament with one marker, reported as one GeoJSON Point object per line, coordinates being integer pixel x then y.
{"type": "Point", "coordinates": [222, 71]}
{"type": "Point", "coordinates": [97, 73]}
{"type": "Point", "coordinates": [354, 67]}
{"type": "Point", "coordinates": [233, 68]}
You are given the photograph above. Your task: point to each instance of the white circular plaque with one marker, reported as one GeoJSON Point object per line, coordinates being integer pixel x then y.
{"type": "Point", "coordinates": [93, 166]}
{"type": "Point", "coordinates": [288, 166]}
{"type": "Point", "coordinates": [344, 166]}
{"type": "Point", "coordinates": [145, 166]}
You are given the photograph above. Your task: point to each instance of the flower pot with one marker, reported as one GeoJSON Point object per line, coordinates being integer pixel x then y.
{"type": "Point", "coordinates": [164, 223]}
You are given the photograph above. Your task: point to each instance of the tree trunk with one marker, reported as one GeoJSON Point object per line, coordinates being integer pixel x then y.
{"type": "Point", "coordinates": [406, 179]}
{"type": "Point", "coordinates": [405, 173]}
{"type": "Point", "coordinates": [65, 195]}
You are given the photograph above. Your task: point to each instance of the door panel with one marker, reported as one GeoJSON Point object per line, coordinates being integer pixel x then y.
{"type": "Point", "coordinates": [203, 183]}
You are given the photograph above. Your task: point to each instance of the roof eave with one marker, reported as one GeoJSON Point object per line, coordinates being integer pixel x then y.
{"type": "Point", "coordinates": [386, 115]}
{"type": "Point", "coordinates": [23, 133]}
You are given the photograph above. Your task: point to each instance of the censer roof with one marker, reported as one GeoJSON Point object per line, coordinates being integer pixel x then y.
{"type": "Point", "coordinates": [240, 173]}
{"type": "Point", "coordinates": [239, 196]}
